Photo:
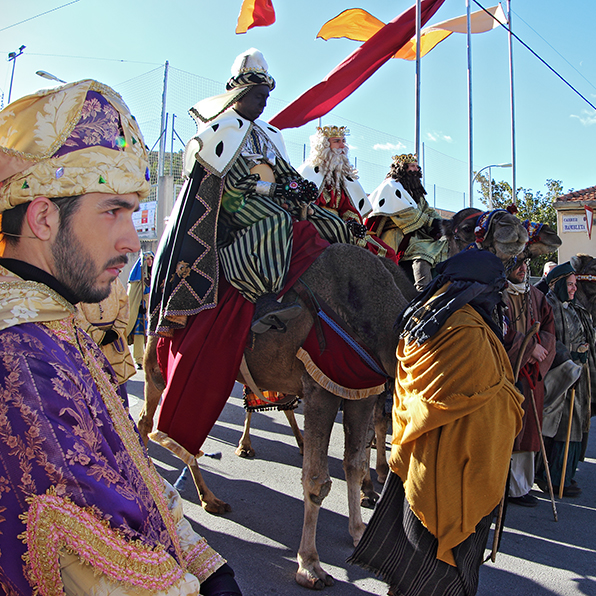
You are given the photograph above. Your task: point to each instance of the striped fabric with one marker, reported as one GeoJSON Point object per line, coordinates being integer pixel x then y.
{"type": "Point", "coordinates": [399, 548]}
{"type": "Point", "coordinates": [256, 241]}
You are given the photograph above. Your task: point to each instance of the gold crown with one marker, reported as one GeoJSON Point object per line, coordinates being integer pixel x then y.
{"type": "Point", "coordinates": [334, 132]}
{"type": "Point", "coordinates": [405, 158]}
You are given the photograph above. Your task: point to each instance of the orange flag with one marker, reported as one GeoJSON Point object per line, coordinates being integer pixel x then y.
{"type": "Point", "coordinates": [255, 13]}
{"type": "Point", "coordinates": [359, 25]}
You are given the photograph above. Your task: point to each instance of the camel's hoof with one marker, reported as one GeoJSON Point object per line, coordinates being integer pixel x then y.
{"type": "Point", "coordinates": [307, 579]}
{"type": "Point", "coordinates": [216, 507]}
{"type": "Point", "coordinates": [382, 474]}
{"type": "Point", "coordinates": [248, 453]}
{"type": "Point", "coordinates": [368, 501]}
{"type": "Point", "coordinates": [381, 478]}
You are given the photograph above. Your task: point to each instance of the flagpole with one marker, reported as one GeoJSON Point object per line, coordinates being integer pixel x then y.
{"type": "Point", "coordinates": [418, 77]}
{"type": "Point", "coordinates": [470, 127]}
{"type": "Point", "coordinates": [513, 157]}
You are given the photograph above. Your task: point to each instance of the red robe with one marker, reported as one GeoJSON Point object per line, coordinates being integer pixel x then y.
{"type": "Point", "coordinates": [530, 374]}
{"type": "Point", "coordinates": [343, 207]}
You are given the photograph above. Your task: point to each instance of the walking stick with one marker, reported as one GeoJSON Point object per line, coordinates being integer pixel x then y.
{"type": "Point", "coordinates": [500, 516]}
{"type": "Point", "coordinates": [565, 455]}
{"type": "Point", "coordinates": [543, 451]}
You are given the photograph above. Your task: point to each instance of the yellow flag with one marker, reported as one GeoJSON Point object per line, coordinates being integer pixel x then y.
{"type": "Point", "coordinates": [359, 25]}
{"type": "Point", "coordinates": [354, 23]}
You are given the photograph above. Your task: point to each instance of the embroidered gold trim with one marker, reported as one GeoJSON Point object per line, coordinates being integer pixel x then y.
{"type": "Point", "coordinates": [55, 522]}
{"type": "Point", "coordinates": [324, 381]}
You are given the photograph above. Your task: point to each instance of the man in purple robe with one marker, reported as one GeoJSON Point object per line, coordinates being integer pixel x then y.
{"type": "Point", "coordinates": [76, 484]}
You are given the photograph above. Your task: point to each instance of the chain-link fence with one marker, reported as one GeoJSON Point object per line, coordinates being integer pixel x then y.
{"type": "Point", "coordinates": [445, 177]}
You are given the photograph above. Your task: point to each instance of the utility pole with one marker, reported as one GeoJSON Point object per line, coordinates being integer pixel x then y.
{"type": "Point", "coordinates": [12, 57]}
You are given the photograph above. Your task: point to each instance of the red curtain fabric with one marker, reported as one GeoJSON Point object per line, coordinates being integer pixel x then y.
{"type": "Point", "coordinates": [355, 69]}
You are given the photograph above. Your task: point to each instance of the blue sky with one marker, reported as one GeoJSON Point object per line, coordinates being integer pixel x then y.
{"type": "Point", "coordinates": [114, 41]}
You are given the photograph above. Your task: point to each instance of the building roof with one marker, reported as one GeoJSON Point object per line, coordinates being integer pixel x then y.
{"type": "Point", "coordinates": [587, 194]}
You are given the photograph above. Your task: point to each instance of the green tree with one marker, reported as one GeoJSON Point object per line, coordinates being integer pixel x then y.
{"type": "Point", "coordinates": [537, 206]}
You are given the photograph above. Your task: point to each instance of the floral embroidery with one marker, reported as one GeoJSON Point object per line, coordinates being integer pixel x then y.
{"type": "Point", "coordinates": [183, 269]}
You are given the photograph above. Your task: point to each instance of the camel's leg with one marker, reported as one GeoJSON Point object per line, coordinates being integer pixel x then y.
{"type": "Point", "coordinates": [209, 502]}
{"type": "Point", "coordinates": [244, 448]}
{"type": "Point", "coordinates": [154, 386]}
{"type": "Point", "coordinates": [368, 495]}
{"type": "Point", "coordinates": [381, 423]}
{"type": "Point", "coordinates": [294, 426]}
{"type": "Point", "coordinates": [320, 409]}
{"type": "Point", "coordinates": [356, 419]}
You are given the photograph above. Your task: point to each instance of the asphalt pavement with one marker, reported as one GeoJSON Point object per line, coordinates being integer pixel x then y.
{"type": "Point", "coordinates": [260, 536]}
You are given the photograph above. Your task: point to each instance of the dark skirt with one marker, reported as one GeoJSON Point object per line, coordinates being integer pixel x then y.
{"type": "Point", "coordinates": [403, 552]}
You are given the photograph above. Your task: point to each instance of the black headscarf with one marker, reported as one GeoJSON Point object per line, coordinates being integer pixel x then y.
{"type": "Point", "coordinates": [475, 277]}
{"type": "Point", "coordinates": [557, 280]}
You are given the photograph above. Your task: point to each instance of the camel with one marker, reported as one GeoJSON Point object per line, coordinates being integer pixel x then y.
{"type": "Point", "coordinates": [342, 277]}
{"type": "Point", "coordinates": [459, 231]}
{"type": "Point", "coordinates": [365, 292]}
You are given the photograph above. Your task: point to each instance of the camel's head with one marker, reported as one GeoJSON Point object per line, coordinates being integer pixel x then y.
{"type": "Point", "coordinates": [502, 233]}
{"type": "Point", "coordinates": [460, 229]}
{"type": "Point", "coordinates": [542, 239]}
{"type": "Point", "coordinates": [585, 273]}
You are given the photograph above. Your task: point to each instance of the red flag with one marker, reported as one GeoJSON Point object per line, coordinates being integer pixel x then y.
{"type": "Point", "coordinates": [255, 13]}
{"type": "Point", "coordinates": [355, 69]}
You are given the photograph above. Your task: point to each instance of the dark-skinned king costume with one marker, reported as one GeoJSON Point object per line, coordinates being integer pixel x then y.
{"type": "Point", "coordinates": [82, 507]}
{"type": "Point", "coordinates": [243, 212]}
{"type": "Point", "coordinates": [339, 189]}
{"type": "Point", "coordinates": [456, 413]}
{"type": "Point", "coordinates": [574, 329]}
{"type": "Point", "coordinates": [528, 305]}
{"type": "Point", "coordinates": [402, 218]}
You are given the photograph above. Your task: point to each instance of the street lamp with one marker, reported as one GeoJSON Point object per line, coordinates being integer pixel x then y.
{"type": "Point", "coordinates": [490, 180]}
{"type": "Point", "coordinates": [13, 57]}
{"type": "Point", "coordinates": [46, 75]}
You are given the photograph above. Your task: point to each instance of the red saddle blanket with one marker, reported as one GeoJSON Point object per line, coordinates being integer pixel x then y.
{"type": "Point", "coordinates": [200, 363]}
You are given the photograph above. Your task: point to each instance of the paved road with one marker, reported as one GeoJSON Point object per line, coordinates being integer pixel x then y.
{"type": "Point", "coordinates": [261, 535]}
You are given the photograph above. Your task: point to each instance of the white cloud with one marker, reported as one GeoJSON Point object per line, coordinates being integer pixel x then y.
{"type": "Point", "coordinates": [389, 147]}
{"type": "Point", "coordinates": [437, 137]}
{"type": "Point", "coordinates": [586, 118]}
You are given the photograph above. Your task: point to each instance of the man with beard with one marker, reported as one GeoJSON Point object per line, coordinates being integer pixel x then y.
{"type": "Point", "coordinates": [403, 219]}
{"type": "Point", "coordinates": [528, 305]}
{"type": "Point", "coordinates": [329, 168]}
{"type": "Point", "coordinates": [87, 511]}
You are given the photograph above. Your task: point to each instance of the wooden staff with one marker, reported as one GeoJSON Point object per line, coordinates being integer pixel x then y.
{"type": "Point", "coordinates": [565, 455]}
{"type": "Point", "coordinates": [500, 521]}
{"type": "Point", "coordinates": [543, 451]}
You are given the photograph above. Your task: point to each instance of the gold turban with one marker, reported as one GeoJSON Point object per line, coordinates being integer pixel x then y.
{"type": "Point", "coordinates": [72, 140]}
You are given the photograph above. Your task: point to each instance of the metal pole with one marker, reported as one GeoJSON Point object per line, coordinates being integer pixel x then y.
{"type": "Point", "coordinates": [513, 158]}
{"type": "Point", "coordinates": [162, 144]}
{"type": "Point", "coordinates": [418, 21]}
{"type": "Point", "coordinates": [423, 164]}
{"type": "Point", "coordinates": [14, 61]}
{"type": "Point", "coordinates": [490, 190]}
{"type": "Point", "coordinates": [13, 57]}
{"type": "Point", "coordinates": [172, 147]}
{"type": "Point", "coordinates": [470, 127]}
